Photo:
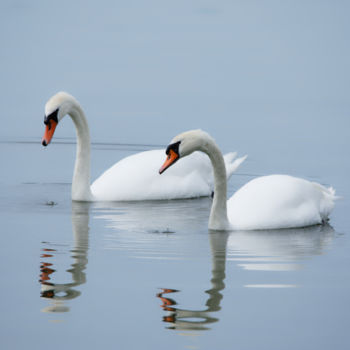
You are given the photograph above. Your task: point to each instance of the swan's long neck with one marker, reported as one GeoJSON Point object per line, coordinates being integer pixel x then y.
{"type": "Point", "coordinates": [218, 214]}
{"type": "Point", "coordinates": [81, 178]}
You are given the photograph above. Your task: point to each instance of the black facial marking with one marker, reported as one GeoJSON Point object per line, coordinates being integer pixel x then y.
{"type": "Point", "coordinates": [174, 147]}
{"type": "Point", "coordinates": [52, 116]}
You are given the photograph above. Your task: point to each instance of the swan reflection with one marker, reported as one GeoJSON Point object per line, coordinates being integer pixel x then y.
{"type": "Point", "coordinates": [277, 250]}
{"type": "Point", "coordinates": [186, 319]}
{"type": "Point", "coordinates": [58, 293]}
{"type": "Point", "coordinates": [259, 251]}
{"type": "Point", "coordinates": [154, 216]}
{"type": "Point", "coordinates": [255, 259]}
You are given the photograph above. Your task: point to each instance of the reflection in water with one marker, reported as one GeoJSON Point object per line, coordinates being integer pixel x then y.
{"type": "Point", "coordinates": [277, 250]}
{"type": "Point", "coordinates": [58, 293]}
{"type": "Point", "coordinates": [264, 259]}
{"type": "Point", "coordinates": [259, 251]}
{"type": "Point", "coordinates": [154, 216]}
{"type": "Point", "coordinates": [185, 319]}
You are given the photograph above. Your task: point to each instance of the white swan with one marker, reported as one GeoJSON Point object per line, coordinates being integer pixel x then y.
{"type": "Point", "coordinates": [267, 202]}
{"type": "Point", "coordinates": [134, 177]}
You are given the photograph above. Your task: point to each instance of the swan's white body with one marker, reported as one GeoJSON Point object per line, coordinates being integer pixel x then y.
{"type": "Point", "coordinates": [267, 202]}
{"type": "Point", "coordinates": [279, 201]}
{"type": "Point", "coordinates": [134, 177]}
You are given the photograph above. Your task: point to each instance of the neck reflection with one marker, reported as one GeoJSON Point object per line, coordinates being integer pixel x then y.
{"type": "Point", "coordinates": [59, 293]}
{"type": "Point", "coordinates": [266, 256]}
{"type": "Point", "coordinates": [185, 319]}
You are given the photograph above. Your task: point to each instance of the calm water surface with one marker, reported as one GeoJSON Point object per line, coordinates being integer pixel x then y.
{"type": "Point", "coordinates": [266, 78]}
{"type": "Point", "coordinates": [150, 275]}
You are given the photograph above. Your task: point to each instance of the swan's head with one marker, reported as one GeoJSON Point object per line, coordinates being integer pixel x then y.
{"type": "Point", "coordinates": [183, 145]}
{"type": "Point", "coordinates": [55, 109]}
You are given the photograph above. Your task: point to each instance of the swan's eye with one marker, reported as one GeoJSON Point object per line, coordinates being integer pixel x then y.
{"type": "Point", "coordinates": [174, 147]}
{"type": "Point", "coordinates": [52, 116]}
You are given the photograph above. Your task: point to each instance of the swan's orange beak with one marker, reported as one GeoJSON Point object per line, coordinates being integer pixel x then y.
{"type": "Point", "coordinates": [170, 160]}
{"type": "Point", "coordinates": [49, 131]}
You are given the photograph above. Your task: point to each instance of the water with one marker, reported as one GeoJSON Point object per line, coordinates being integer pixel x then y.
{"type": "Point", "coordinates": [145, 274]}
{"type": "Point", "coordinates": [269, 79]}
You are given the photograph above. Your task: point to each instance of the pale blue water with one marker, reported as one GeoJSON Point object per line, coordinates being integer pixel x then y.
{"type": "Point", "coordinates": [146, 274]}
{"type": "Point", "coordinates": [268, 79]}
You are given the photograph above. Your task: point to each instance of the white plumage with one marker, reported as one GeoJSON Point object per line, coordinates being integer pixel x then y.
{"type": "Point", "coordinates": [135, 177]}
{"type": "Point", "coordinates": [267, 202]}
{"type": "Point", "coordinates": [279, 201]}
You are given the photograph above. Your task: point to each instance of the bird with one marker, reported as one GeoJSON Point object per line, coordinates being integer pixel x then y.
{"type": "Point", "coordinates": [267, 202]}
{"type": "Point", "coordinates": [134, 177]}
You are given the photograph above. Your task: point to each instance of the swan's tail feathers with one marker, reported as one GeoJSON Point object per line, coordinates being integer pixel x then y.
{"type": "Point", "coordinates": [232, 164]}
{"type": "Point", "coordinates": [328, 201]}
{"type": "Point", "coordinates": [331, 192]}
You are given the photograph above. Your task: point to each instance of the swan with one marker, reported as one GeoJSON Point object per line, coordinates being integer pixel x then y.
{"type": "Point", "coordinates": [266, 202]}
{"type": "Point", "coordinates": [134, 177]}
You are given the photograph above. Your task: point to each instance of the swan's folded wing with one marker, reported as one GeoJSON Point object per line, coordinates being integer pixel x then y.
{"type": "Point", "coordinates": [232, 164]}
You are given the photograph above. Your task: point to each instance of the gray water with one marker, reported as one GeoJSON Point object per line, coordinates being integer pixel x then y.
{"type": "Point", "coordinates": [149, 274]}
{"type": "Point", "coordinates": [268, 79]}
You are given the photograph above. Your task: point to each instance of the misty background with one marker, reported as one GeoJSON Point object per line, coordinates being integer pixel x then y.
{"type": "Point", "coordinates": [266, 78]}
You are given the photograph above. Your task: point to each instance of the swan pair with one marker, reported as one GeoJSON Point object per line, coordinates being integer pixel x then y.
{"type": "Point", "coordinates": [268, 202]}
{"type": "Point", "coordinates": [135, 177]}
